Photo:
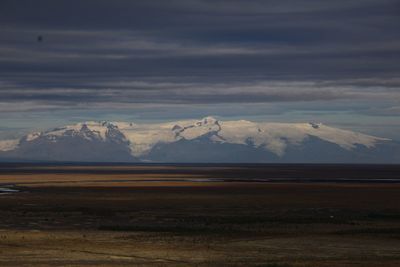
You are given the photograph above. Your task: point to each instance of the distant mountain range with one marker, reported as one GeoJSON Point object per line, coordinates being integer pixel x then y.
{"type": "Point", "coordinates": [205, 141]}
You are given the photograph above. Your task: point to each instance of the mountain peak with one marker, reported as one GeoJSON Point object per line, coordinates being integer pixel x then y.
{"type": "Point", "coordinates": [208, 120]}
{"type": "Point", "coordinates": [90, 124]}
{"type": "Point", "coordinates": [315, 125]}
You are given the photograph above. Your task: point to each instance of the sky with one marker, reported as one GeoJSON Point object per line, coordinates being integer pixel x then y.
{"type": "Point", "coordinates": [335, 62]}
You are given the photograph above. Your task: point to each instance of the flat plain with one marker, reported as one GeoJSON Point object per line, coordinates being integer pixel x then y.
{"type": "Point", "coordinates": [199, 215]}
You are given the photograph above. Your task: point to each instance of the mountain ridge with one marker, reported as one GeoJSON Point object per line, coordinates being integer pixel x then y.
{"type": "Point", "coordinates": [207, 139]}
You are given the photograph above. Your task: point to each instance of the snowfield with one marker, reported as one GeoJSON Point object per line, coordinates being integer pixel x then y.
{"type": "Point", "coordinates": [272, 136]}
{"type": "Point", "coordinates": [141, 139]}
{"type": "Point", "coordinates": [7, 145]}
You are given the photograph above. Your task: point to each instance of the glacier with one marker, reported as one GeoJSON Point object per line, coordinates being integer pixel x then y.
{"type": "Point", "coordinates": [207, 139]}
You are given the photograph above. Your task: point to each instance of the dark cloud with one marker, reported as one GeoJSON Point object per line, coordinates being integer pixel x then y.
{"type": "Point", "coordinates": [98, 53]}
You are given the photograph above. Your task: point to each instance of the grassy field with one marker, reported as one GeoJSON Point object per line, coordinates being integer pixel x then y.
{"type": "Point", "coordinates": [199, 216]}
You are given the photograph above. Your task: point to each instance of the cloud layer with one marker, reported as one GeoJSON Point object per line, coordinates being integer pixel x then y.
{"type": "Point", "coordinates": [138, 56]}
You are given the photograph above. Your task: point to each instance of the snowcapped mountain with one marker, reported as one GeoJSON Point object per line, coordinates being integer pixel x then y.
{"type": "Point", "coordinates": [205, 140]}
{"type": "Point", "coordinates": [89, 141]}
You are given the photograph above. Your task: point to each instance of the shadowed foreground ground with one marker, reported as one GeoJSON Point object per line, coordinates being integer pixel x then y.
{"type": "Point", "coordinates": [65, 216]}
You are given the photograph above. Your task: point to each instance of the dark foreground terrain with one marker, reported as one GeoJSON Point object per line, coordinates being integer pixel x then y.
{"type": "Point", "coordinates": [201, 215]}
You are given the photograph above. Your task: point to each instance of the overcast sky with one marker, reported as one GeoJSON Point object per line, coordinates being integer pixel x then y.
{"type": "Point", "coordinates": [336, 62]}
